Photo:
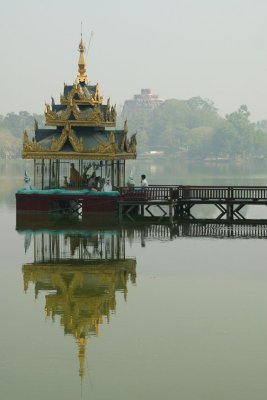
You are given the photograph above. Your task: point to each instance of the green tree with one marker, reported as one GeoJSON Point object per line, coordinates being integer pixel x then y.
{"type": "Point", "coordinates": [237, 136]}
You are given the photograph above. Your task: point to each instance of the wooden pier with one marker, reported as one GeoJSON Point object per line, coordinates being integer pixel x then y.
{"type": "Point", "coordinates": [178, 201]}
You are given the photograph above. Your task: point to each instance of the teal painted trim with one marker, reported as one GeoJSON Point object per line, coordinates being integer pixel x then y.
{"type": "Point", "coordinates": [84, 192]}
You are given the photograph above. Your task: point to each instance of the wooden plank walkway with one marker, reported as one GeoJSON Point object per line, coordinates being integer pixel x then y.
{"type": "Point", "coordinates": [180, 200]}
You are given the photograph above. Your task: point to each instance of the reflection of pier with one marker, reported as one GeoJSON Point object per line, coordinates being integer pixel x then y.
{"type": "Point", "coordinates": [81, 273]}
{"type": "Point", "coordinates": [200, 229]}
{"type": "Point", "coordinates": [91, 239]}
{"type": "Point", "coordinates": [220, 230]}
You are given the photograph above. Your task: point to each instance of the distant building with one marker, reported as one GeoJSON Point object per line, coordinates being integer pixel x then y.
{"type": "Point", "coordinates": [146, 100]}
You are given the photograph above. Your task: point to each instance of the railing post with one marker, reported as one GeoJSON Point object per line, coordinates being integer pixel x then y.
{"type": "Point", "coordinates": [230, 193]}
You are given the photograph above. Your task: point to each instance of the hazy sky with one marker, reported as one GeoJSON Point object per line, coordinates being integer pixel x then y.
{"type": "Point", "coordinates": [216, 49]}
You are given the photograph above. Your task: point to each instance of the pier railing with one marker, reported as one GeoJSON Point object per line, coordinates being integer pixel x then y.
{"type": "Point", "coordinates": [162, 193]}
{"type": "Point", "coordinates": [245, 193]}
{"type": "Point", "coordinates": [172, 193]}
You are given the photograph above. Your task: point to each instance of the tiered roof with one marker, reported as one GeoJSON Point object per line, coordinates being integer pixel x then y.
{"type": "Point", "coordinates": [82, 127]}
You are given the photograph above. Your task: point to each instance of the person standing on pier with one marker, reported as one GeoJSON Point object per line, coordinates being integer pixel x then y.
{"type": "Point", "coordinates": [144, 182]}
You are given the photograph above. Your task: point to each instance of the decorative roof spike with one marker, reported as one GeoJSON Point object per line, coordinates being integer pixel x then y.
{"type": "Point", "coordinates": [35, 124]}
{"type": "Point", "coordinates": [125, 126]}
{"type": "Point", "coordinates": [82, 76]}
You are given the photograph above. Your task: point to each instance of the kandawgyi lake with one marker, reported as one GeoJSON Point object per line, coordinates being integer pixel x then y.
{"type": "Point", "coordinates": [112, 310]}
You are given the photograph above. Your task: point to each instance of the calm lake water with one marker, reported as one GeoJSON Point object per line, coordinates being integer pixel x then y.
{"type": "Point", "coordinates": [107, 312]}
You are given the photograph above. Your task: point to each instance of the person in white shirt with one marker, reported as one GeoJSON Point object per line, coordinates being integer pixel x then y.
{"type": "Point", "coordinates": [144, 182]}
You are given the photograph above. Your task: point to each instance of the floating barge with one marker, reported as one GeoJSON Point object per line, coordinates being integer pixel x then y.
{"type": "Point", "coordinates": [79, 158]}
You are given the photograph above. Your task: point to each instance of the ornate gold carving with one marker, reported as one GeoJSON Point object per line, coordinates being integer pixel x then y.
{"type": "Point", "coordinates": [132, 144]}
{"type": "Point", "coordinates": [67, 133]}
{"type": "Point", "coordinates": [71, 108]}
{"type": "Point", "coordinates": [77, 144]}
{"type": "Point", "coordinates": [56, 144]}
{"type": "Point", "coordinates": [108, 114]}
{"type": "Point", "coordinates": [95, 116]}
{"type": "Point", "coordinates": [46, 155]}
{"type": "Point", "coordinates": [113, 113]}
{"type": "Point", "coordinates": [109, 147]}
{"type": "Point", "coordinates": [125, 129]}
{"type": "Point", "coordinates": [30, 145]}
{"type": "Point", "coordinates": [97, 98]}
{"type": "Point", "coordinates": [49, 114]}
{"type": "Point", "coordinates": [82, 99]}
{"type": "Point", "coordinates": [126, 145]}
{"type": "Point", "coordinates": [63, 99]}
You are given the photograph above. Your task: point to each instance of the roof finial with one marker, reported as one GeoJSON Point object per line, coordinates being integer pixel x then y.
{"type": "Point", "coordinates": [82, 76]}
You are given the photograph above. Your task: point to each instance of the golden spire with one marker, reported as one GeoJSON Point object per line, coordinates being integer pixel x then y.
{"type": "Point", "coordinates": [82, 76]}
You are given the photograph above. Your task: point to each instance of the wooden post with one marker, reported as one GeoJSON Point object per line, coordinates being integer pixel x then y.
{"type": "Point", "coordinates": [230, 212]}
{"type": "Point", "coordinates": [42, 174]}
{"type": "Point", "coordinates": [49, 181]}
{"type": "Point", "coordinates": [118, 173]}
{"type": "Point", "coordinates": [34, 173]}
{"type": "Point", "coordinates": [112, 173]}
{"type": "Point", "coordinates": [123, 181]}
{"type": "Point", "coordinates": [170, 213]}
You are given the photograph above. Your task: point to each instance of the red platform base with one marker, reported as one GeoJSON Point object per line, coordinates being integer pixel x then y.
{"type": "Point", "coordinates": [52, 203]}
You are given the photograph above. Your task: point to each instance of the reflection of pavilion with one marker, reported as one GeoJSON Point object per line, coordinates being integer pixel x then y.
{"type": "Point", "coordinates": [81, 273]}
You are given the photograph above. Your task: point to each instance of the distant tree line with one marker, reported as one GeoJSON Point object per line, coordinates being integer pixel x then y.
{"type": "Point", "coordinates": [195, 128]}
{"type": "Point", "coordinates": [190, 127]}
{"type": "Point", "coordinates": [12, 126]}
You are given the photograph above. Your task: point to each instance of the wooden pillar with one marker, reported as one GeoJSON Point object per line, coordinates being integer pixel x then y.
{"type": "Point", "coordinates": [230, 212]}
{"type": "Point", "coordinates": [106, 168]}
{"type": "Point", "coordinates": [118, 174]}
{"type": "Point", "coordinates": [42, 174]}
{"type": "Point", "coordinates": [81, 173]}
{"type": "Point", "coordinates": [49, 179]}
{"type": "Point", "coordinates": [123, 182]}
{"type": "Point", "coordinates": [112, 173]}
{"type": "Point", "coordinates": [34, 173]}
{"type": "Point", "coordinates": [170, 213]}
{"type": "Point", "coordinates": [57, 175]}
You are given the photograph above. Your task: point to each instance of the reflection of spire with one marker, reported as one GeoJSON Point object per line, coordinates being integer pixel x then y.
{"type": "Point", "coordinates": [82, 348]}
{"type": "Point", "coordinates": [82, 76]}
